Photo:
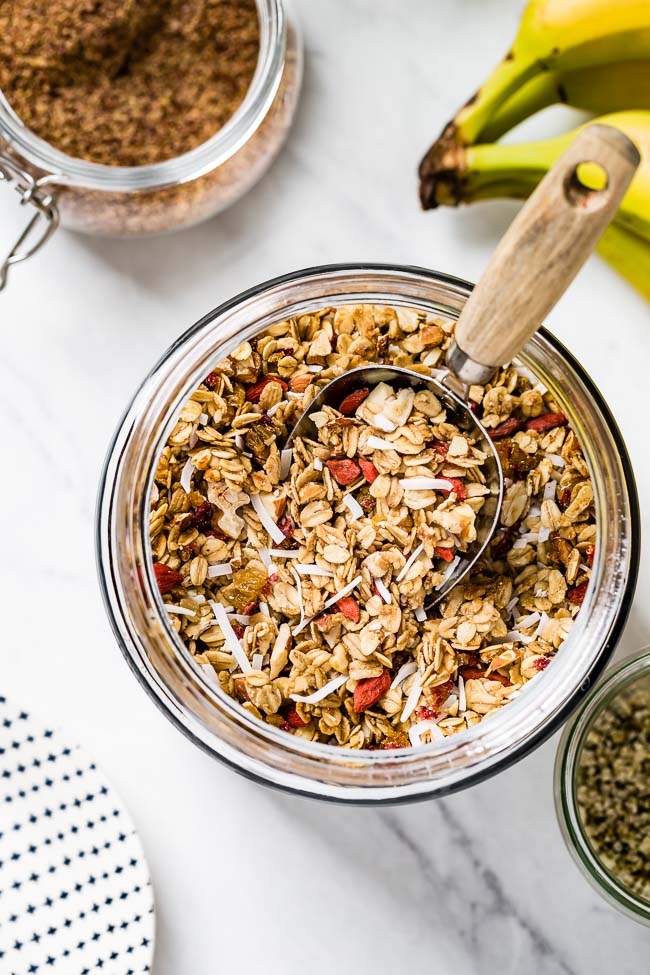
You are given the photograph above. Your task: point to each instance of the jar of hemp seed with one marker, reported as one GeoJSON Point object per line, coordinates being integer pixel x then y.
{"type": "Point", "coordinates": [150, 121]}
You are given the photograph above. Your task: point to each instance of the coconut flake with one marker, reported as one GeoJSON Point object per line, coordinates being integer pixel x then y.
{"type": "Point", "coordinates": [412, 699]}
{"type": "Point", "coordinates": [556, 460]}
{"type": "Point", "coordinates": [283, 553]}
{"type": "Point", "coordinates": [343, 592]}
{"type": "Point", "coordinates": [194, 439]}
{"type": "Point", "coordinates": [377, 443]}
{"type": "Point", "coordinates": [417, 730]}
{"type": "Point", "coordinates": [257, 661]}
{"type": "Point", "coordinates": [180, 610]}
{"type": "Point", "coordinates": [405, 671]}
{"type": "Point", "coordinates": [550, 489]}
{"type": "Point", "coordinates": [541, 389]}
{"type": "Point", "coordinates": [449, 571]}
{"type": "Point", "coordinates": [514, 636]}
{"type": "Point", "coordinates": [409, 562]}
{"type": "Point", "coordinates": [220, 569]}
{"type": "Point", "coordinates": [543, 622]}
{"type": "Point", "coordinates": [266, 519]}
{"type": "Point", "coordinates": [265, 555]}
{"type": "Point", "coordinates": [383, 423]}
{"type": "Point", "coordinates": [510, 608]}
{"type": "Point", "coordinates": [186, 476]}
{"type": "Point", "coordinates": [525, 621]}
{"type": "Point", "coordinates": [203, 418]}
{"type": "Point", "coordinates": [311, 569]}
{"type": "Point", "coordinates": [332, 685]}
{"type": "Point", "coordinates": [315, 368]}
{"type": "Point", "coordinates": [264, 608]}
{"type": "Point", "coordinates": [420, 614]}
{"type": "Point", "coordinates": [353, 506]}
{"type": "Point", "coordinates": [274, 409]}
{"type": "Point", "coordinates": [462, 699]}
{"type": "Point", "coordinates": [230, 637]}
{"type": "Point", "coordinates": [318, 464]}
{"type": "Point", "coordinates": [286, 458]}
{"type": "Point", "coordinates": [237, 617]}
{"type": "Point", "coordinates": [544, 534]}
{"type": "Point", "coordinates": [155, 493]}
{"type": "Point", "coordinates": [383, 591]}
{"type": "Point", "coordinates": [426, 484]}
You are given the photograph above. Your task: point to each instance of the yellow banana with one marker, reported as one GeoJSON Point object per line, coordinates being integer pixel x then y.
{"type": "Point", "coordinates": [623, 85]}
{"type": "Point", "coordinates": [554, 35]}
{"type": "Point", "coordinates": [629, 255]}
{"type": "Point", "coordinates": [496, 170]}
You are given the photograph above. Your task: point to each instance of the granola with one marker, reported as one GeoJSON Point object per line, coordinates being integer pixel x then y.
{"type": "Point", "coordinates": [297, 578]}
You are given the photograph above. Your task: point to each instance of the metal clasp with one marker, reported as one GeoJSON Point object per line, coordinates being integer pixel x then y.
{"type": "Point", "coordinates": [44, 221]}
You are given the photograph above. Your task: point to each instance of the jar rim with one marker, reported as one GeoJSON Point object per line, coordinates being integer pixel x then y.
{"type": "Point", "coordinates": [60, 169]}
{"type": "Point", "coordinates": [567, 759]}
{"type": "Point", "coordinates": [350, 283]}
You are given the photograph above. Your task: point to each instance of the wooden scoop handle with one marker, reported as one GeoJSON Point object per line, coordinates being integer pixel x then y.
{"type": "Point", "coordinates": [543, 249]}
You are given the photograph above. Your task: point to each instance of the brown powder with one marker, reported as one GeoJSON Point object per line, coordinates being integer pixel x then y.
{"type": "Point", "coordinates": [127, 82]}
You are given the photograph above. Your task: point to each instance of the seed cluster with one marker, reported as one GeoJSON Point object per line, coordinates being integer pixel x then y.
{"type": "Point", "coordinates": [613, 788]}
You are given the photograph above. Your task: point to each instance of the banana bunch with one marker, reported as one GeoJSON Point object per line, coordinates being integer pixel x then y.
{"type": "Point", "coordinates": [590, 54]}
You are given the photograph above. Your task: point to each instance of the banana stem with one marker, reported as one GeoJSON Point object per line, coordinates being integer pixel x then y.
{"type": "Point", "coordinates": [628, 254]}
{"type": "Point", "coordinates": [538, 93]}
{"type": "Point", "coordinates": [507, 166]}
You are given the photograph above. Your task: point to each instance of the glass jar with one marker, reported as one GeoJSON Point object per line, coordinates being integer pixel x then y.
{"type": "Point", "coordinates": [631, 673]}
{"type": "Point", "coordinates": [216, 722]}
{"type": "Point", "coordinates": [126, 200]}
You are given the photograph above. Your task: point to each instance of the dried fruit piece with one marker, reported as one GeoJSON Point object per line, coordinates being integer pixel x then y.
{"type": "Point", "coordinates": [343, 471]}
{"type": "Point", "coordinates": [440, 447]}
{"type": "Point", "coordinates": [444, 553]}
{"type": "Point", "coordinates": [368, 691]}
{"type": "Point", "coordinates": [286, 526]}
{"type": "Point", "coordinates": [244, 591]}
{"type": "Point", "coordinates": [368, 470]}
{"type": "Point", "coordinates": [425, 713]}
{"type": "Point", "coordinates": [547, 422]}
{"type": "Point", "coordinates": [165, 577]}
{"type": "Point", "coordinates": [399, 740]}
{"type": "Point", "coordinates": [542, 663]}
{"type": "Point", "coordinates": [200, 518]}
{"type": "Point", "coordinates": [459, 488]}
{"type": "Point", "coordinates": [507, 428]}
{"type": "Point", "coordinates": [565, 498]}
{"type": "Point", "coordinates": [590, 552]}
{"type": "Point", "coordinates": [349, 607]}
{"type": "Point", "coordinates": [293, 719]}
{"type": "Point", "coordinates": [577, 594]}
{"type": "Point", "coordinates": [438, 695]}
{"type": "Point", "coordinates": [352, 401]}
{"type": "Point", "coordinates": [253, 393]}
{"type": "Point", "coordinates": [211, 380]}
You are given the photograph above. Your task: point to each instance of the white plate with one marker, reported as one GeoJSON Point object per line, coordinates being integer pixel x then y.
{"type": "Point", "coordinates": [75, 893]}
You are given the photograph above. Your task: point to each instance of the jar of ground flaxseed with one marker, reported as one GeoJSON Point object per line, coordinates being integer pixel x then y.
{"type": "Point", "coordinates": [108, 200]}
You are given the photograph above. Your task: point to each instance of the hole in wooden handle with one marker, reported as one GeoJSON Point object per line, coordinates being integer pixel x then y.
{"type": "Point", "coordinates": [588, 180]}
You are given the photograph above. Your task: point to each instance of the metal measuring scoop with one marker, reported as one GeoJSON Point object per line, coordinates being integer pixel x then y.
{"type": "Point", "coordinates": [543, 249]}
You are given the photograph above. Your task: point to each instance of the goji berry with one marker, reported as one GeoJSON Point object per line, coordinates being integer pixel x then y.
{"type": "Point", "coordinates": [250, 608]}
{"type": "Point", "coordinates": [541, 663]}
{"type": "Point", "coordinates": [547, 422]}
{"type": "Point", "coordinates": [425, 713]}
{"type": "Point", "coordinates": [589, 552]}
{"type": "Point", "coordinates": [507, 428]}
{"type": "Point", "coordinates": [200, 518]}
{"type": "Point", "coordinates": [349, 607]}
{"type": "Point", "coordinates": [293, 718]}
{"type": "Point", "coordinates": [211, 380]}
{"type": "Point", "coordinates": [565, 498]}
{"type": "Point", "coordinates": [352, 401]}
{"type": "Point", "coordinates": [213, 533]}
{"type": "Point", "coordinates": [368, 691]}
{"type": "Point", "coordinates": [238, 630]}
{"type": "Point", "coordinates": [444, 553]}
{"type": "Point", "coordinates": [440, 447]}
{"type": "Point", "coordinates": [577, 594]}
{"type": "Point", "coordinates": [165, 577]}
{"type": "Point", "coordinates": [459, 488]}
{"type": "Point", "coordinates": [286, 526]}
{"type": "Point", "coordinates": [343, 471]}
{"type": "Point", "coordinates": [254, 392]}
{"type": "Point", "coordinates": [368, 470]}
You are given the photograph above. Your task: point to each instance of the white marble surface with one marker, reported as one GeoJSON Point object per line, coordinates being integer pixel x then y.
{"type": "Point", "coordinates": [246, 879]}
